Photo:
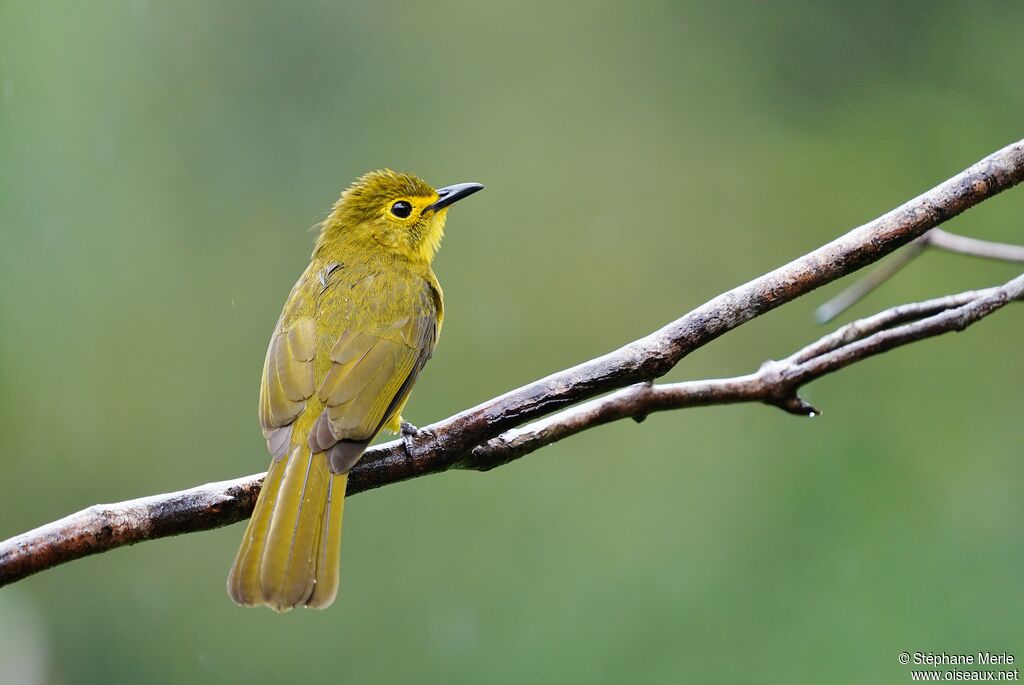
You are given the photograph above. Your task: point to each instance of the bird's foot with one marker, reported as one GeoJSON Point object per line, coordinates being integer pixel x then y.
{"type": "Point", "coordinates": [409, 433]}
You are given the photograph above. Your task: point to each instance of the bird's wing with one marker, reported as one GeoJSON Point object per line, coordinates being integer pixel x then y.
{"type": "Point", "coordinates": [371, 348]}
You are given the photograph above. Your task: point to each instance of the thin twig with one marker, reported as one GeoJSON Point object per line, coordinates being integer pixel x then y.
{"type": "Point", "coordinates": [890, 317]}
{"type": "Point", "coordinates": [987, 249]}
{"type": "Point", "coordinates": [451, 442]}
{"type": "Point", "coordinates": [937, 238]}
{"type": "Point", "coordinates": [874, 278]}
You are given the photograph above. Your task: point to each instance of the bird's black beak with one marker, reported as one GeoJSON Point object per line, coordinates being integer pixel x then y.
{"type": "Point", "coordinates": [452, 194]}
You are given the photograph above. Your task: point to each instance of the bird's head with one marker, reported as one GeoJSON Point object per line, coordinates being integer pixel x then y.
{"type": "Point", "coordinates": [397, 212]}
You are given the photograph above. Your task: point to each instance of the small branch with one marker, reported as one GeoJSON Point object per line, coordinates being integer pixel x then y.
{"type": "Point", "coordinates": [936, 238]}
{"type": "Point", "coordinates": [857, 330]}
{"type": "Point", "coordinates": [987, 249]}
{"type": "Point", "coordinates": [467, 439]}
{"type": "Point", "coordinates": [776, 383]}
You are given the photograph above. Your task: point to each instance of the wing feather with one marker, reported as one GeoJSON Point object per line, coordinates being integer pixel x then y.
{"type": "Point", "coordinates": [369, 389]}
{"type": "Point", "coordinates": [288, 379]}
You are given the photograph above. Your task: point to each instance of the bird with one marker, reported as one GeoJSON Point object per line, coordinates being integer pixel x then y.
{"type": "Point", "coordinates": [353, 337]}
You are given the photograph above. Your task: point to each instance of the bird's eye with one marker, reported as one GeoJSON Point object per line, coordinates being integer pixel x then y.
{"type": "Point", "coordinates": [401, 209]}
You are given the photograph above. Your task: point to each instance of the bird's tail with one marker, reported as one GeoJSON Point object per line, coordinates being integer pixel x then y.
{"type": "Point", "coordinates": [291, 551]}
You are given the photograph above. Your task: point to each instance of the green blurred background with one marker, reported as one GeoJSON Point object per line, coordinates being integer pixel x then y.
{"type": "Point", "coordinates": [161, 163]}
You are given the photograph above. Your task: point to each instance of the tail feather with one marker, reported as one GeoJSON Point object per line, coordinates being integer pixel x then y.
{"type": "Point", "coordinates": [244, 579]}
{"type": "Point", "coordinates": [328, 565]}
{"type": "Point", "coordinates": [293, 541]}
{"type": "Point", "coordinates": [289, 561]}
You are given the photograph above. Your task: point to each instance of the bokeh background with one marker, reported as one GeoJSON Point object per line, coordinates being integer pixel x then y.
{"type": "Point", "coordinates": [162, 162]}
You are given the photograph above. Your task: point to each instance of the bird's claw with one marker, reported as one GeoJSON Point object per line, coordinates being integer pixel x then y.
{"type": "Point", "coordinates": [408, 430]}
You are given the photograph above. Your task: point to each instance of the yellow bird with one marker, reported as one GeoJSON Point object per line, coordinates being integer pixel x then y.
{"type": "Point", "coordinates": [356, 330]}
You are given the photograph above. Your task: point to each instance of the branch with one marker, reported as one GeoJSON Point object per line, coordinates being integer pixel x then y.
{"type": "Point", "coordinates": [483, 437]}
